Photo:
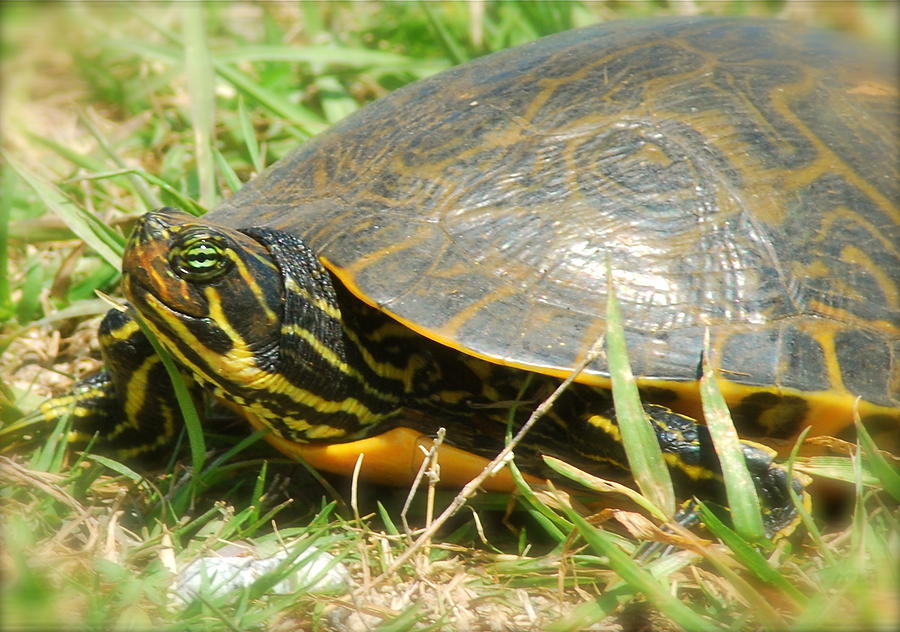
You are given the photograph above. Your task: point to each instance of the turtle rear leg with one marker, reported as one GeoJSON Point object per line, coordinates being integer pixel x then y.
{"type": "Point", "coordinates": [688, 450]}
{"type": "Point", "coordinates": [130, 405]}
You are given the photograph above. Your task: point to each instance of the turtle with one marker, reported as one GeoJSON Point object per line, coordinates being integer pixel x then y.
{"type": "Point", "coordinates": [439, 259]}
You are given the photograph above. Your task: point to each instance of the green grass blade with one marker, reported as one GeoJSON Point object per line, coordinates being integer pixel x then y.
{"type": "Point", "coordinates": [877, 464]}
{"type": "Point", "coordinates": [258, 491]}
{"type": "Point", "coordinates": [453, 48]}
{"type": "Point", "coordinates": [6, 302]}
{"type": "Point", "coordinates": [739, 488]}
{"type": "Point", "coordinates": [232, 181]}
{"type": "Point", "coordinates": [51, 454]}
{"type": "Point", "coordinates": [800, 505]}
{"type": "Point", "coordinates": [590, 612]}
{"type": "Point", "coordinates": [839, 468]}
{"type": "Point", "coordinates": [618, 594]}
{"type": "Point", "coordinates": [336, 101]}
{"type": "Point", "coordinates": [385, 516]}
{"type": "Point", "coordinates": [80, 160]}
{"type": "Point", "coordinates": [760, 604]}
{"type": "Point", "coordinates": [200, 77]}
{"type": "Point", "coordinates": [346, 57]}
{"type": "Point", "coordinates": [602, 485]}
{"type": "Point", "coordinates": [301, 116]}
{"type": "Point", "coordinates": [79, 221]}
{"type": "Point", "coordinates": [641, 445]}
{"type": "Point", "coordinates": [407, 620]}
{"type": "Point", "coordinates": [859, 522]}
{"type": "Point", "coordinates": [29, 306]}
{"type": "Point", "coordinates": [272, 101]}
{"type": "Point", "coordinates": [186, 204]}
{"type": "Point", "coordinates": [546, 18]}
{"type": "Point", "coordinates": [82, 309]}
{"type": "Point", "coordinates": [236, 449]}
{"type": "Point", "coordinates": [116, 467]}
{"type": "Point", "coordinates": [343, 56]}
{"type": "Point", "coordinates": [150, 199]}
{"type": "Point", "coordinates": [749, 556]}
{"type": "Point", "coordinates": [186, 405]}
{"type": "Point", "coordinates": [550, 521]}
{"type": "Point", "coordinates": [638, 578]}
{"type": "Point", "coordinates": [248, 135]}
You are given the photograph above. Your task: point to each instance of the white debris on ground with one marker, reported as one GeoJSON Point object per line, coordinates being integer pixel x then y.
{"type": "Point", "coordinates": [234, 567]}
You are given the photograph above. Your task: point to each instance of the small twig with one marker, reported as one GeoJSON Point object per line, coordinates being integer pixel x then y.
{"type": "Point", "coordinates": [479, 528]}
{"type": "Point", "coordinates": [429, 458]}
{"type": "Point", "coordinates": [433, 473]}
{"type": "Point", "coordinates": [354, 504]}
{"type": "Point", "coordinates": [354, 488]}
{"type": "Point", "coordinates": [489, 470]}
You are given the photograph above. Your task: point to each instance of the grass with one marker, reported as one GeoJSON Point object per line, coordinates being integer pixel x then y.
{"type": "Point", "coordinates": [110, 111]}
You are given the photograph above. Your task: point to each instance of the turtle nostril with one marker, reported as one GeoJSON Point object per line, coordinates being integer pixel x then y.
{"type": "Point", "coordinates": [158, 224]}
{"type": "Point", "coordinates": [152, 227]}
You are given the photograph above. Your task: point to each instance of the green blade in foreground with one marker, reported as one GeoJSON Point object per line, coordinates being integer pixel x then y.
{"type": "Point", "coordinates": [192, 422]}
{"type": "Point", "coordinates": [645, 458]}
{"type": "Point", "coordinates": [636, 577]}
{"type": "Point", "coordinates": [887, 474]}
{"type": "Point", "coordinates": [739, 488]}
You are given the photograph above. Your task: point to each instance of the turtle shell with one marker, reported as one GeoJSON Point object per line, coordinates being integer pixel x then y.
{"type": "Point", "coordinates": [735, 175]}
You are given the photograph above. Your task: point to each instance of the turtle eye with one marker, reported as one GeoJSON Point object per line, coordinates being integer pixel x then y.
{"type": "Point", "coordinates": [200, 257]}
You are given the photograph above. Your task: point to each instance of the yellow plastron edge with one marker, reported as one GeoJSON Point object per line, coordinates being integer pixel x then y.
{"type": "Point", "coordinates": [393, 458]}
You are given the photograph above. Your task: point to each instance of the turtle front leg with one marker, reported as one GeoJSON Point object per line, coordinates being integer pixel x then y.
{"type": "Point", "coordinates": [130, 405]}
{"type": "Point", "coordinates": [688, 450]}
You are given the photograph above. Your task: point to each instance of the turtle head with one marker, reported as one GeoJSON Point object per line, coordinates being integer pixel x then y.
{"type": "Point", "coordinates": [253, 315]}
{"type": "Point", "coordinates": [211, 294]}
